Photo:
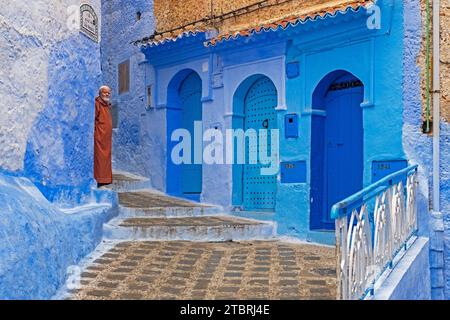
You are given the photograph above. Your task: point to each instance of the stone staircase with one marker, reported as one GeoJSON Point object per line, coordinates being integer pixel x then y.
{"type": "Point", "coordinates": [164, 248]}
{"type": "Point", "coordinates": [148, 215]}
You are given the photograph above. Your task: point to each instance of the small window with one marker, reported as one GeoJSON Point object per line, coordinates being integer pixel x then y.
{"type": "Point", "coordinates": [138, 16]}
{"type": "Point", "coordinates": [124, 77]}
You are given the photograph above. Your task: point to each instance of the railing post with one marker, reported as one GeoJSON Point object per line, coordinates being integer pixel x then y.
{"type": "Point", "coordinates": [338, 260]}
{"type": "Point", "coordinates": [363, 251]}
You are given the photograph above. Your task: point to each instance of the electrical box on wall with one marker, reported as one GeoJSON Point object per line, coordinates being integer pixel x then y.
{"type": "Point", "coordinates": [291, 125]}
{"type": "Point", "coordinates": [293, 172]}
{"type": "Point", "coordinates": [292, 69]}
{"type": "Point", "coordinates": [381, 169]}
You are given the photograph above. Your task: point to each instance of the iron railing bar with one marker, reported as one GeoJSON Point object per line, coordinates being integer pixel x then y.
{"type": "Point", "coordinates": [387, 181]}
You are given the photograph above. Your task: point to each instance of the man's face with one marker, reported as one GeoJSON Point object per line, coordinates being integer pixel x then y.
{"type": "Point", "coordinates": [105, 94]}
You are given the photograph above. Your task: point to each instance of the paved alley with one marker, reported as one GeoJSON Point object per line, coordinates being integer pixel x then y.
{"type": "Point", "coordinates": [160, 247]}
{"type": "Point", "coordinates": [188, 270]}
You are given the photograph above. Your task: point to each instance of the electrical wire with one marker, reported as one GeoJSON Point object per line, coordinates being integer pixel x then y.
{"type": "Point", "coordinates": [213, 20]}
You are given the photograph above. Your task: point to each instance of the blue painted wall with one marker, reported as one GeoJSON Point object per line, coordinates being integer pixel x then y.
{"type": "Point", "coordinates": [50, 74]}
{"type": "Point", "coordinates": [138, 138]}
{"type": "Point", "coordinates": [38, 242]}
{"type": "Point", "coordinates": [418, 148]}
{"type": "Point", "coordinates": [59, 153]}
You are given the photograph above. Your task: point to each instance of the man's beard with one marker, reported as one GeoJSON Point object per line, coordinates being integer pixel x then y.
{"type": "Point", "coordinates": [106, 99]}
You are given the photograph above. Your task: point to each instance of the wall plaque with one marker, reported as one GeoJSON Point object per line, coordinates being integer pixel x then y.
{"type": "Point", "coordinates": [293, 172]}
{"type": "Point", "coordinates": [89, 22]}
{"type": "Point", "coordinates": [381, 169]}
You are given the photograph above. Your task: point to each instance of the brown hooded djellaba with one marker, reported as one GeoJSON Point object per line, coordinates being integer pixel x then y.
{"type": "Point", "coordinates": [102, 142]}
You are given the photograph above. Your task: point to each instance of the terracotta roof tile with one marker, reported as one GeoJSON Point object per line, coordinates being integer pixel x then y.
{"type": "Point", "coordinates": [291, 20]}
{"type": "Point", "coordinates": [317, 12]}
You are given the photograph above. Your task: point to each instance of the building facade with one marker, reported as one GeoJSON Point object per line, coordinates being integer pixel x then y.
{"type": "Point", "coordinates": [286, 75]}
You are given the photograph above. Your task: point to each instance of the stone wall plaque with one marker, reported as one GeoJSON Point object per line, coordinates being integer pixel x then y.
{"type": "Point", "coordinates": [89, 22]}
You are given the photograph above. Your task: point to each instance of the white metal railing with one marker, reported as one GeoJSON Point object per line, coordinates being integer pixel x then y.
{"type": "Point", "coordinates": [372, 226]}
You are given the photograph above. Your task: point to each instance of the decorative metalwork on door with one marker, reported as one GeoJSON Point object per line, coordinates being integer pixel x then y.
{"type": "Point", "coordinates": [259, 190]}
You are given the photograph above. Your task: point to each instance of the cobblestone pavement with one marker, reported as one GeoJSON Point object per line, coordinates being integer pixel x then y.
{"type": "Point", "coordinates": [187, 270]}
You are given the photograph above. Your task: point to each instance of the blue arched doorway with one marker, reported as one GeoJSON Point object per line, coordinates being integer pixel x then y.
{"type": "Point", "coordinates": [183, 110]}
{"type": "Point", "coordinates": [254, 108]}
{"type": "Point", "coordinates": [337, 145]}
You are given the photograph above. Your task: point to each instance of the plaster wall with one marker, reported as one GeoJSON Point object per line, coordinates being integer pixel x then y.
{"type": "Point", "coordinates": [410, 279]}
{"type": "Point", "coordinates": [39, 242]}
{"type": "Point", "coordinates": [50, 74]}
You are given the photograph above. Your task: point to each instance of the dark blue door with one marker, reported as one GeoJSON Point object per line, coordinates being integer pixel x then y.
{"type": "Point", "coordinates": [260, 190]}
{"type": "Point", "coordinates": [343, 143]}
{"type": "Point", "coordinates": [190, 95]}
{"type": "Point", "coordinates": [337, 158]}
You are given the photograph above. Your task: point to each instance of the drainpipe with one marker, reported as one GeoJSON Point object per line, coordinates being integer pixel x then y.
{"type": "Point", "coordinates": [436, 105]}
{"type": "Point", "coordinates": [437, 234]}
{"type": "Point", "coordinates": [428, 67]}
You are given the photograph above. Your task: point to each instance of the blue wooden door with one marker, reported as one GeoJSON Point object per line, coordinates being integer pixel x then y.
{"type": "Point", "coordinates": [343, 144]}
{"type": "Point", "coordinates": [190, 95]}
{"type": "Point", "coordinates": [259, 190]}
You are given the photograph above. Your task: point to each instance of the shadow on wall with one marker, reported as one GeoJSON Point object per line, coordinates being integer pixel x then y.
{"type": "Point", "coordinates": [59, 154]}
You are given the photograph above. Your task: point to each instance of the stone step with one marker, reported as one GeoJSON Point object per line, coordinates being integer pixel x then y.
{"type": "Point", "coordinates": [208, 228]}
{"type": "Point", "coordinates": [147, 203]}
{"type": "Point", "coordinates": [168, 212]}
{"type": "Point", "coordinates": [125, 181]}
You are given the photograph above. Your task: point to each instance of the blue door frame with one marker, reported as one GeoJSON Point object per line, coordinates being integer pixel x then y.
{"type": "Point", "coordinates": [337, 147]}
